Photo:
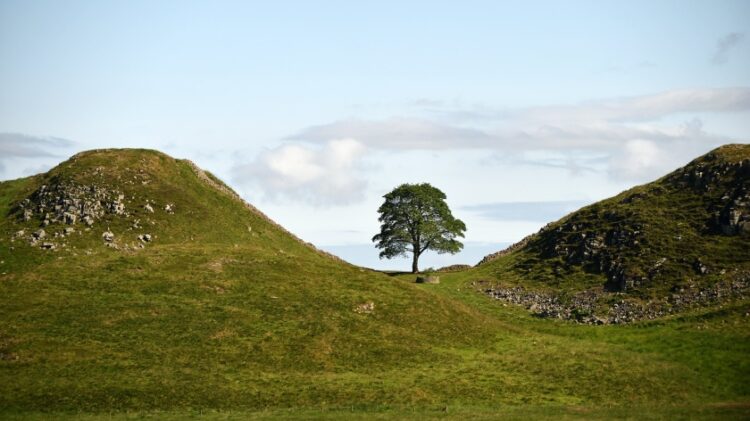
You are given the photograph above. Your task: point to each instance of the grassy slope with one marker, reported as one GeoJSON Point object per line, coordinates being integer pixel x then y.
{"type": "Point", "coordinates": [674, 219]}
{"type": "Point", "coordinates": [238, 321]}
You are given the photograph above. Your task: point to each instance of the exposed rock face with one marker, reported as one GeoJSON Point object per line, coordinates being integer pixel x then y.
{"type": "Point", "coordinates": [597, 306]}
{"type": "Point", "coordinates": [61, 205]}
{"type": "Point", "coordinates": [68, 203]}
{"type": "Point", "coordinates": [734, 218]}
{"type": "Point", "coordinates": [731, 213]}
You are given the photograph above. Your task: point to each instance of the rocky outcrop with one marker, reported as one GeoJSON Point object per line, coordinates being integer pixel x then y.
{"type": "Point", "coordinates": [68, 203]}
{"type": "Point", "coordinates": [59, 207]}
{"type": "Point", "coordinates": [729, 182]}
{"type": "Point", "coordinates": [652, 236]}
{"type": "Point", "coordinates": [598, 306]}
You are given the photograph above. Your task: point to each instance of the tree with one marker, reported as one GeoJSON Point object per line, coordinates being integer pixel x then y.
{"type": "Point", "coordinates": [415, 218]}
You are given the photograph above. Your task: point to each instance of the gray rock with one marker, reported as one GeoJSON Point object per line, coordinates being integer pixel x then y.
{"type": "Point", "coordinates": [69, 218]}
{"type": "Point", "coordinates": [430, 279]}
{"type": "Point", "coordinates": [148, 208]}
{"type": "Point", "coordinates": [145, 238]}
{"type": "Point", "coordinates": [365, 308]}
{"type": "Point", "coordinates": [39, 234]}
{"type": "Point", "coordinates": [108, 236]}
{"type": "Point", "coordinates": [700, 267]}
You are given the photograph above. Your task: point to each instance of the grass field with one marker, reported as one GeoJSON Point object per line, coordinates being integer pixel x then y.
{"type": "Point", "coordinates": [241, 323]}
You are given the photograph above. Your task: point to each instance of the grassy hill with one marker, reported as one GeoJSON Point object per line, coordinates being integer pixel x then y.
{"type": "Point", "coordinates": [171, 297]}
{"type": "Point", "coordinates": [679, 242]}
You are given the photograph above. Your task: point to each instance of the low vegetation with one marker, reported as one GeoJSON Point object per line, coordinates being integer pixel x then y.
{"type": "Point", "coordinates": [223, 314]}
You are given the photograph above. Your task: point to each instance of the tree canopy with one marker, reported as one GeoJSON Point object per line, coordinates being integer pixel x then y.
{"type": "Point", "coordinates": [415, 218]}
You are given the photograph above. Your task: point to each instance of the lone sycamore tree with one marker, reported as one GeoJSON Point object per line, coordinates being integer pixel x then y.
{"type": "Point", "coordinates": [415, 218]}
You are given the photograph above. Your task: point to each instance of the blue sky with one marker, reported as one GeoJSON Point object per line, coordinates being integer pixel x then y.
{"type": "Point", "coordinates": [519, 111]}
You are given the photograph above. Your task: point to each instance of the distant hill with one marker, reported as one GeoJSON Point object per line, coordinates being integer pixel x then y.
{"type": "Point", "coordinates": [680, 241]}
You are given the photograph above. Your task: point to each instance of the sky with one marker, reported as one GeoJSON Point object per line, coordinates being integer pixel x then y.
{"type": "Point", "coordinates": [521, 112]}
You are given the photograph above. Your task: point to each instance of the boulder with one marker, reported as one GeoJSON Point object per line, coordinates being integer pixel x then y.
{"type": "Point", "coordinates": [69, 218]}
{"type": "Point", "coordinates": [365, 308]}
{"type": "Point", "coordinates": [429, 279]}
{"type": "Point", "coordinates": [108, 236]}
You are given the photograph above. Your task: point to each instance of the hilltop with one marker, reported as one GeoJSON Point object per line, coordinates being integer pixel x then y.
{"type": "Point", "coordinates": [678, 242]}
{"type": "Point", "coordinates": [156, 291]}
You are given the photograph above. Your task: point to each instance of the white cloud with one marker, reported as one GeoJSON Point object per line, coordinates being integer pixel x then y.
{"type": "Point", "coordinates": [634, 132]}
{"type": "Point", "coordinates": [637, 159]}
{"type": "Point", "coordinates": [724, 45]}
{"type": "Point", "coordinates": [324, 175]}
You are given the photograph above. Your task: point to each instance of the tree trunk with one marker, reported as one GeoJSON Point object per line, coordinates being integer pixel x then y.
{"type": "Point", "coordinates": [415, 263]}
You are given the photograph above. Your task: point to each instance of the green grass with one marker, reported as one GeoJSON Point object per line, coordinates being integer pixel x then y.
{"type": "Point", "coordinates": [255, 325]}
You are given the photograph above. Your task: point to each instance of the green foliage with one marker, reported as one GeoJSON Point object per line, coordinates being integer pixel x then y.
{"type": "Point", "coordinates": [415, 218]}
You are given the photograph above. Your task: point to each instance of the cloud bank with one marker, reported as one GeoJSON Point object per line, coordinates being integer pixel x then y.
{"type": "Point", "coordinates": [15, 146]}
{"type": "Point", "coordinates": [323, 175]}
{"type": "Point", "coordinates": [637, 134]}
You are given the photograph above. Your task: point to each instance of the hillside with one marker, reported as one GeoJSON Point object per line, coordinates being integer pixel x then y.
{"type": "Point", "coordinates": [679, 242]}
{"type": "Point", "coordinates": [155, 291]}
{"type": "Point", "coordinates": [126, 259]}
